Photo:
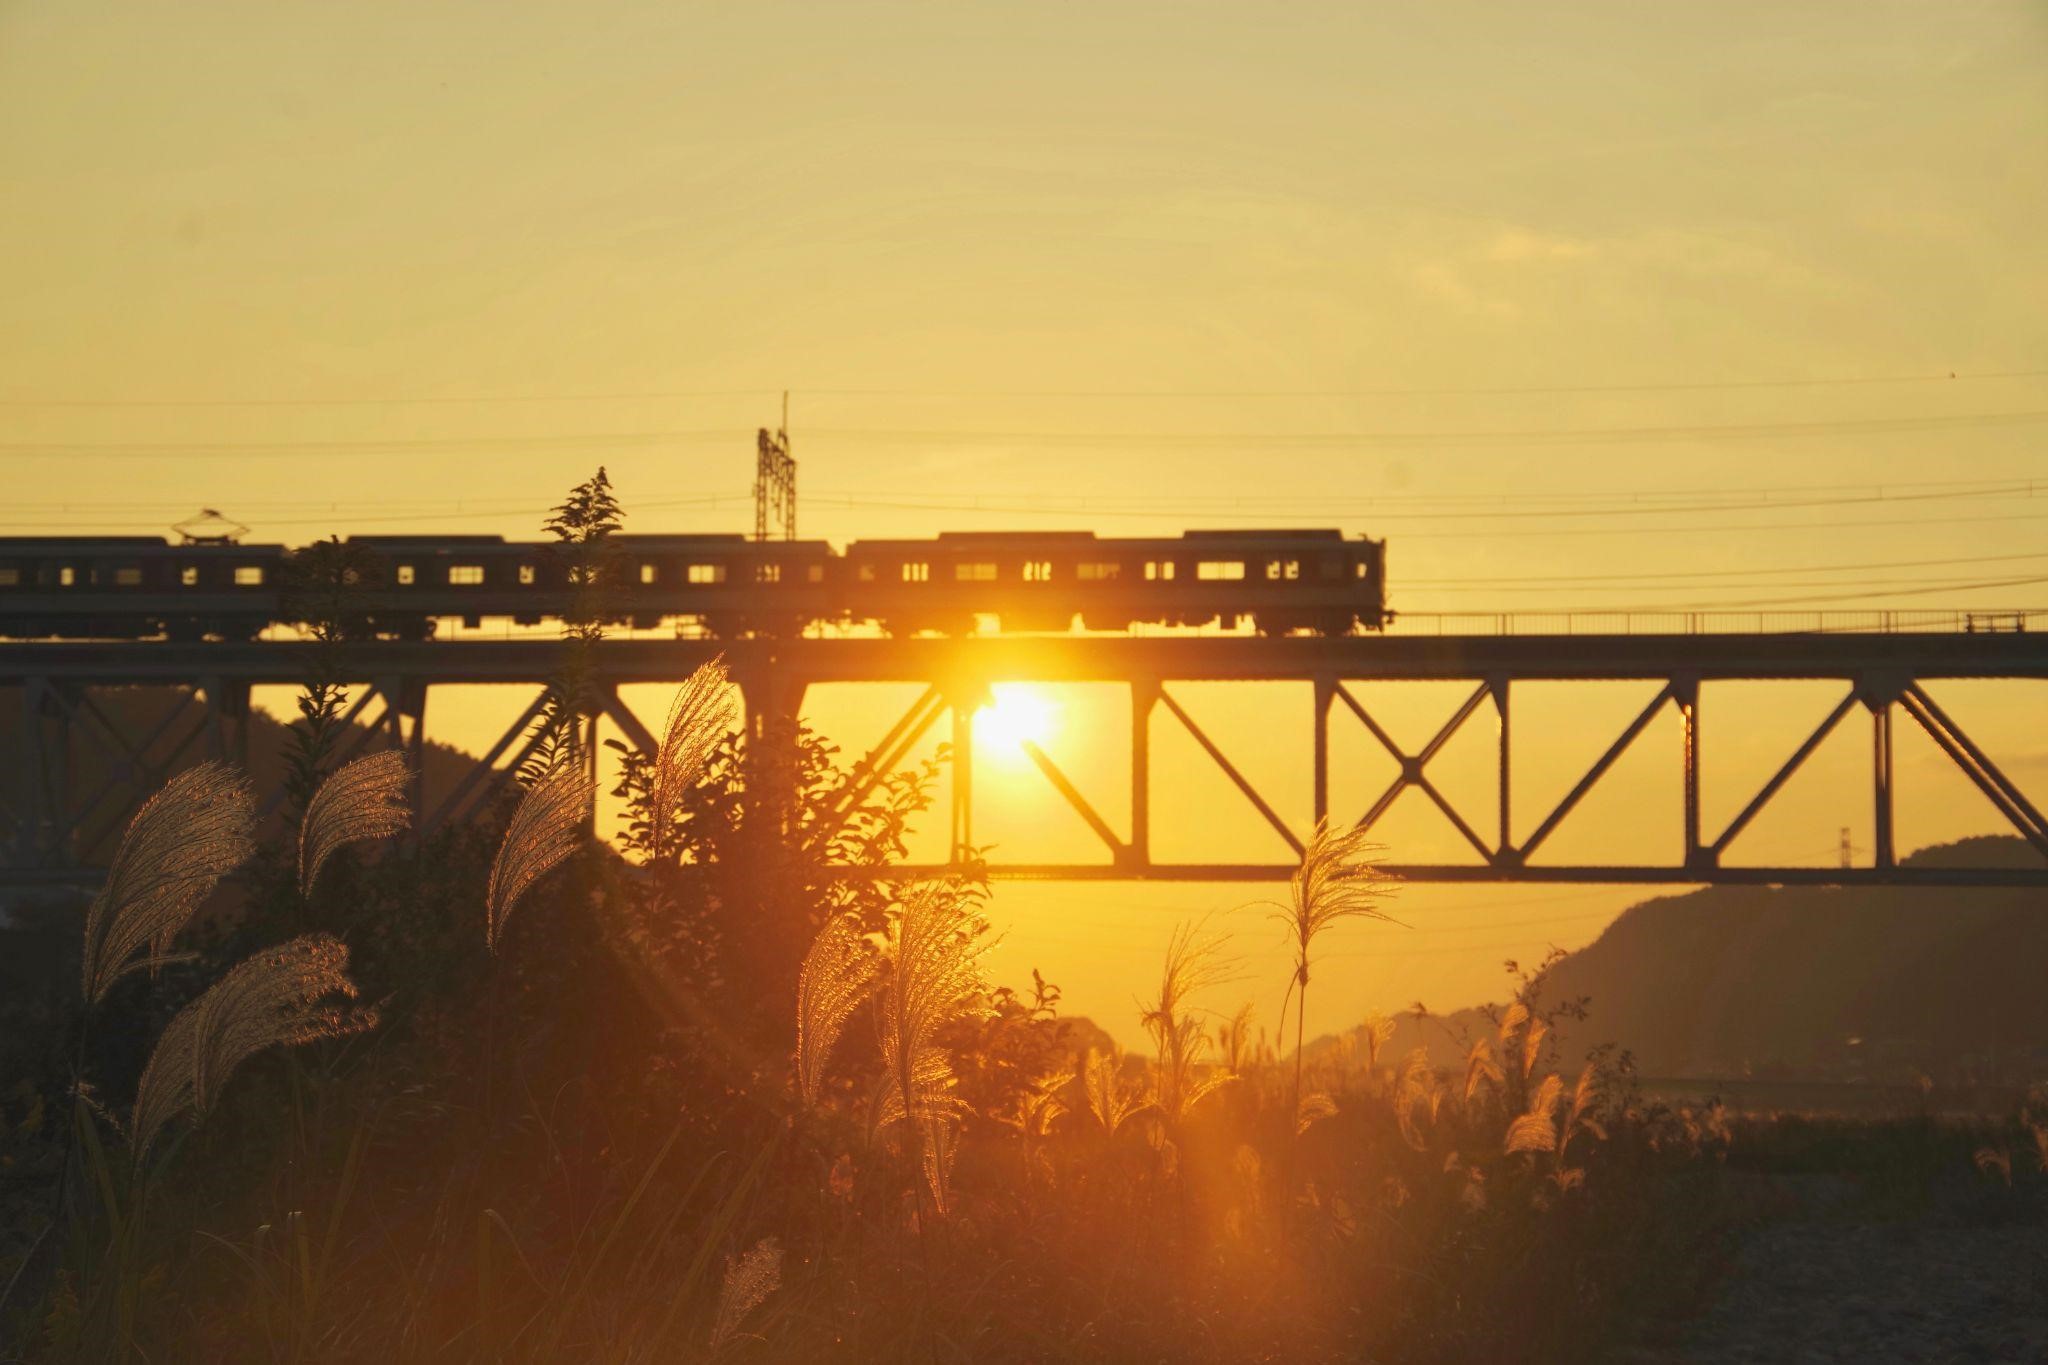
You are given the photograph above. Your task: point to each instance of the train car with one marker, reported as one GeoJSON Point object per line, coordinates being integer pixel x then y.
{"type": "Point", "coordinates": [732, 585]}
{"type": "Point", "coordinates": [1281, 581]}
{"type": "Point", "coordinates": [136, 587]}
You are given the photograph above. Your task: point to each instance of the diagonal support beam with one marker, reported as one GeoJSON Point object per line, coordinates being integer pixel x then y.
{"type": "Point", "coordinates": [118, 815]}
{"type": "Point", "coordinates": [1230, 770]}
{"type": "Point", "coordinates": [1779, 778]}
{"type": "Point", "coordinates": [1118, 849]}
{"type": "Point", "coordinates": [884, 758]}
{"type": "Point", "coordinates": [1951, 742]}
{"type": "Point", "coordinates": [1990, 770]}
{"type": "Point", "coordinates": [485, 767]}
{"type": "Point", "coordinates": [621, 715]}
{"type": "Point", "coordinates": [1594, 774]}
{"type": "Point", "coordinates": [131, 767]}
{"type": "Point", "coordinates": [1412, 774]}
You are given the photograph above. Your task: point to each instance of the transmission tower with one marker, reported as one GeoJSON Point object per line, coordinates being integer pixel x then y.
{"type": "Point", "coordinates": [775, 480]}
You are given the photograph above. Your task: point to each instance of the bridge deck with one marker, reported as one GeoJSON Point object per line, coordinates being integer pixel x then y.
{"type": "Point", "coordinates": [1076, 658]}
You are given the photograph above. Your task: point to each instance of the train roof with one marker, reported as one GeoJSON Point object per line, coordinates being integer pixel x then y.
{"type": "Point", "coordinates": [428, 539]}
{"type": "Point", "coordinates": [83, 542]}
{"type": "Point", "coordinates": [1275, 533]}
{"type": "Point", "coordinates": [690, 541]}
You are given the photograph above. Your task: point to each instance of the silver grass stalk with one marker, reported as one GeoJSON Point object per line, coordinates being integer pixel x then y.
{"type": "Point", "coordinates": [199, 827]}
{"type": "Point", "coordinates": [1378, 1031]}
{"type": "Point", "coordinates": [1535, 1131]}
{"type": "Point", "coordinates": [1314, 1107]}
{"type": "Point", "coordinates": [1110, 1101]}
{"type": "Point", "coordinates": [934, 979]}
{"type": "Point", "coordinates": [941, 1144]}
{"type": "Point", "coordinates": [698, 719]}
{"type": "Point", "coordinates": [1337, 880]}
{"type": "Point", "coordinates": [282, 997]}
{"type": "Point", "coordinates": [748, 1281]}
{"type": "Point", "coordinates": [1533, 1034]}
{"type": "Point", "coordinates": [836, 976]}
{"type": "Point", "coordinates": [1192, 964]}
{"type": "Point", "coordinates": [362, 800]}
{"type": "Point", "coordinates": [546, 828]}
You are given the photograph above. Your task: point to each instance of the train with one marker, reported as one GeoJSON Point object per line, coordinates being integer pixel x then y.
{"type": "Point", "coordinates": [729, 586]}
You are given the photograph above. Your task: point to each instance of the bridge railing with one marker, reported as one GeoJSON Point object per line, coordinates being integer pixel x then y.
{"type": "Point", "coordinates": [1876, 621]}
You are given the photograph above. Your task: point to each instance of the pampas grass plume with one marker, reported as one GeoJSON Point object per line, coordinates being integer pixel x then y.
{"type": "Point", "coordinates": [698, 719]}
{"type": "Point", "coordinates": [748, 1281]}
{"type": "Point", "coordinates": [362, 800]}
{"type": "Point", "coordinates": [546, 828]}
{"type": "Point", "coordinates": [199, 827]}
{"type": "Point", "coordinates": [282, 997]}
{"type": "Point", "coordinates": [837, 974]}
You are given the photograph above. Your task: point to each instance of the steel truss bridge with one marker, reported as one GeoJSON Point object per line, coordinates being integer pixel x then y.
{"type": "Point", "coordinates": [1882, 677]}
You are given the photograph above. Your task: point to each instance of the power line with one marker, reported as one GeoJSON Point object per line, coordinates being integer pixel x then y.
{"type": "Point", "coordinates": [1252, 440]}
{"type": "Point", "coordinates": [1234, 395]}
{"type": "Point", "coordinates": [1816, 598]}
{"type": "Point", "coordinates": [1690, 574]}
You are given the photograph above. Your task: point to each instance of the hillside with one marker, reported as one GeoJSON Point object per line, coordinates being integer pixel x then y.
{"type": "Point", "coordinates": [1850, 984]}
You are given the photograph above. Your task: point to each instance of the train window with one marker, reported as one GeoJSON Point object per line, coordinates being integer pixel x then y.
{"type": "Point", "coordinates": [526, 575]}
{"type": "Point", "coordinates": [67, 576]}
{"type": "Point", "coordinates": [1160, 569]}
{"type": "Point", "coordinates": [128, 576]}
{"type": "Point", "coordinates": [1361, 570]}
{"type": "Point", "coordinates": [248, 575]}
{"type": "Point", "coordinates": [867, 573]}
{"type": "Point", "coordinates": [10, 578]}
{"type": "Point", "coordinates": [649, 573]}
{"type": "Point", "coordinates": [1283, 568]}
{"type": "Point", "coordinates": [767, 573]}
{"type": "Point", "coordinates": [405, 575]}
{"type": "Point", "coordinates": [1213, 569]}
{"type": "Point", "coordinates": [705, 573]}
{"type": "Point", "coordinates": [816, 573]}
{"type": "Point", "coordinates": [975, 573]}
{"type": "Point", "coordinates": [1038, 571]}
{"type": "Point", "coordinates": [917, 573]}
{"type": "Point", "coordinates": [188, 575]}
{"type": "Point", "coordinates": [1099, 573]}
{"type": "Point", "coordinates": [465, 575]}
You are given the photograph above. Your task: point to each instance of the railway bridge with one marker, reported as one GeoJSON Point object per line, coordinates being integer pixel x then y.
{"type": "Point", "coordinates": [59, 688]}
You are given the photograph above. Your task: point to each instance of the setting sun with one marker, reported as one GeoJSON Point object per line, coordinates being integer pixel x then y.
{"type": "Point", "coordinates": [1018, 714]}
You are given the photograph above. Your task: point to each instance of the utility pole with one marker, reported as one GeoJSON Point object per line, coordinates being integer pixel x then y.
{"type": "Point", "coordinates": [1848, 849]}
{"type": "Point", "coordinates": [774, 480]}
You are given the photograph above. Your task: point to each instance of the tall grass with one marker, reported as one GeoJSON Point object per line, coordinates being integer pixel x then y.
{"type": "Point", "coordinates": [1338, 879]}
{"type": "Point", "coordinates": [546, 827]}
{"type": "Point", "coordinates": [933, 979]}
{"type": "Point", "coordinates": [198, 828]}
{"type": "Point", "coordinates": [362, 800]}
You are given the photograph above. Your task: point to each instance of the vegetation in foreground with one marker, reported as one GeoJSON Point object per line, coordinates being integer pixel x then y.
{"type": "Point", "coordinates": [502, 1094]}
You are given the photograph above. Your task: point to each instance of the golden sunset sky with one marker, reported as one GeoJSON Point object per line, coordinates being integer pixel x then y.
{"type": "Point", "coordinates": [1627, 306]}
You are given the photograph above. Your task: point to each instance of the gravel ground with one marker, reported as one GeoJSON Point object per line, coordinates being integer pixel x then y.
{"type": "Point", "coordinates": [1845, 1290]}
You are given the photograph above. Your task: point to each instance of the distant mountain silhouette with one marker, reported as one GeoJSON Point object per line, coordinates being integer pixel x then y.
{"type": "Point", "coordinates": [1878, 984]}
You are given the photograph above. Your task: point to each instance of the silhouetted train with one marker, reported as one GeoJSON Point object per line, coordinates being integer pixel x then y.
{"type": "Point", "coordinates": [136, 587]}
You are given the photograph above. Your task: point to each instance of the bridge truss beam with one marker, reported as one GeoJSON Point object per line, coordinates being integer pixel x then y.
{"type": "Point", "coordinates": [1881, 675]}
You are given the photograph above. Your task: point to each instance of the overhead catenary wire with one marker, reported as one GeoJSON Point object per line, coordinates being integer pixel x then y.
{"type": "Point", "coordinates": [1420, 438]}
{"type": "Point", "coordinates": [1130, 393]}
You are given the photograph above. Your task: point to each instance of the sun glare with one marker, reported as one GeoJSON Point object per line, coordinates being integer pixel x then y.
{"type": "Point", "coordinates": [1018, 714]}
